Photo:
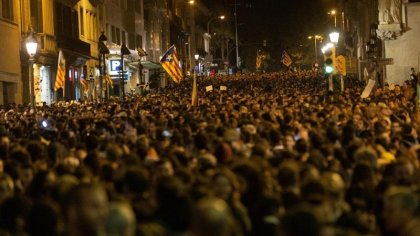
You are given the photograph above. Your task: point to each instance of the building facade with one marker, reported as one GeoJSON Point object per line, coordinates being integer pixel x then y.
{"type": "Point", "coordinates": [10, 65]}
{"type": "Point", "coordinates": [399, 29]}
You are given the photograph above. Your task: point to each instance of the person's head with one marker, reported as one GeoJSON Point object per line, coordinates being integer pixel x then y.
{"type": "Point", "coordinates": [85, 209]}
{"type": "Point", "coordinates": [43, 219]}
{"type": "Point", "coordinates": [121, 220]}
{"type": "Point", "coordinates": [173, 203]}
{"type": "Point", "coordinates": [212, 218]}
{"type": "Point", "coordinates": [225, 184]}
{"type": "Point", "coordinates": [289, 141]}
{"type": "Point", "coordinates": [7, 187]}
{"type": "Point", "coordinates": [136, 180]}
{"type": "Point", "coordinates": [300, 222]}
{"type": "Point", "coordinates": [400, 207]}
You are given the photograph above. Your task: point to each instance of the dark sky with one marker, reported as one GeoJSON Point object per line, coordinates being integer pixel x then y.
{"type": "Point", "coordinates": [284, 24]}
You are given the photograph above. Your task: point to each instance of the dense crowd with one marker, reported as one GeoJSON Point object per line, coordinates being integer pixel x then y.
{"type": "Point", "coordinates": [274, 154]}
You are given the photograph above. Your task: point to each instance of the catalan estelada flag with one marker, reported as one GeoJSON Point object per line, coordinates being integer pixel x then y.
{"type": "Point", "coordinates": [85, 84]}
{"type": "Point", "coordinates": [109, 80]}
{"type": "Point", "coordinates": [286, 59]}
{"type": "Point", "coordinates": [170, 63]}
{"type": "Point", "coordinates": [61, 72]}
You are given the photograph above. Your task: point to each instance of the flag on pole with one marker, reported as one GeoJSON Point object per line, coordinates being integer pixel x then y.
{"type": "Point", "coordinates": [85, 84]}
{"type": "Point", "coordinates": [109, 80]}
{"type": "Point", "coordinates": [170, 63]}
{"type": "Point", "coordinates": [194, 96]}
{"type": "Point", "coordinates": [286, 59]}
{"type": "Point", "coordinates": [61, 72]}
{"type": "Point", "coordinates": [258, 62]}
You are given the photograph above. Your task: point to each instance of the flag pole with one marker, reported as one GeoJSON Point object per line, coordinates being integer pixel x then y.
{"type": "Point", "coordinates": [194, 98]}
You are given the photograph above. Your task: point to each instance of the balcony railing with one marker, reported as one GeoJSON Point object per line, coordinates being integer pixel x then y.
{"type": "Point", "coordinates": [74, 45]}
{"type": "Point", "coordinates": [47, 43]}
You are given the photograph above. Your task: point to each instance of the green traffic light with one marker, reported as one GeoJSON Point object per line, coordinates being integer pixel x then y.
{"type": "Point", "coordinates": [329, 69]}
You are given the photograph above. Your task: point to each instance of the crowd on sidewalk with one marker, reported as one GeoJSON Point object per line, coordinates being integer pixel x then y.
{"type": "Point", "coordinates": [273, 154]}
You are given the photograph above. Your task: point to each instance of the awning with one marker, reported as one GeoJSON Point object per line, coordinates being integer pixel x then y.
{"type": "Point", "coordinates": [151, 65]}
{"type": "Point", "coordinates": [146, 65]}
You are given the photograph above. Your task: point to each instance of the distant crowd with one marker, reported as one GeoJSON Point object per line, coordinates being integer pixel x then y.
{"type": "Point", "coordinates": [273, 154]}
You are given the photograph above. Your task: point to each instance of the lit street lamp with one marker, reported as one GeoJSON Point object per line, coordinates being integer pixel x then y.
{"type": "Point", "coordinates": [222, 17]}
{"type": "Point", "coordinates": [315, 37]}
{"type": "Point", "coordinates": [103, 50]}
{"type": "Point", "coordinates": [334, 13]}
{"type": "Point", "coordinates": [209, 36]}
{"type": "Point", "coordinates": [334, 36]}
{"type": "Point", "coordinates": [124, 51]}
{"type": "Point", "coordinates": [31, 47]}
{"type": "Point", "coordinates": [196, 57]}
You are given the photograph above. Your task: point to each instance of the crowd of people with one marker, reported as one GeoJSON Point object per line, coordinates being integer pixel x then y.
{"type": "Point", "coordinates": [273, 154]}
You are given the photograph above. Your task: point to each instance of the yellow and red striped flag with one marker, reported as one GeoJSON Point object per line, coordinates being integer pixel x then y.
{"type": "Point", "coordinates": [286, 59]}
{"type": "Point", "coordinates": [109, 80]}
{"type": "Point", "coordinates": [194, 95]}
{"type": "Point", "coordinates": [170, 63]}
{"type": "Point", "coordinates": [61, 72]}
{"type": "Point", "coordinates": [85, 84]}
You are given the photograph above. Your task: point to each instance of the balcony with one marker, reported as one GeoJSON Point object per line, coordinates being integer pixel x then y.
{"type": "Point", "coordinates": [47, 43]}
{"type": "Point", "coordinates": [74, 45]}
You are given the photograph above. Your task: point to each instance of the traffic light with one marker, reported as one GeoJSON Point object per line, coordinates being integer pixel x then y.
{"type": "Point", "coordinates": [329, 60]}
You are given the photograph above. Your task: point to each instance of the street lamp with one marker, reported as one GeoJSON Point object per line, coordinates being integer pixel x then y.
{"type": "Point", "coordinates": [103, 50]}
{"type": "Point", "coordinates": [315, 37]}
{"type": "Point", "coordinates": [196, 57]}
{"type": "Point", "coordinates": [334, 36]}
{"type": "Point", "coordinates": [208, 37]}
{"type": "Point", "coordinates": [334, 13]}
{"type": "Point", "coordinates": [31, 47]}
{"type": "Point", "coordinates": [236, 37]}
{"type": "Point", "coordinates": [222, 17]}
{"type": "Point", "coordinates": [124, 51]}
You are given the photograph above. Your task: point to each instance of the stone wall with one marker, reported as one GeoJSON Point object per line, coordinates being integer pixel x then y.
{"type": "Point", "coordinates": [405, 50]}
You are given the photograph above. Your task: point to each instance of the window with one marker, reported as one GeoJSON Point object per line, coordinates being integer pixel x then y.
{"type": "Point", "coordinates": [7, 9]}
{"type": "Point", "coordinates": [82, 21]}
{"type": "Point", "coordinates": [113, 34]}
{"type": "Point", "coordinates": [118, 33]}
{"type": "Point", "coordinates": [36, 15]}
{"type": "Point", "coordinates": [131, 41]}
{"type": "Point", "coordinates": [123, 37]}
{"type": "Point", "coordinates": [139, 41]}
{"type": "Point", "coordinates": [138, 6]}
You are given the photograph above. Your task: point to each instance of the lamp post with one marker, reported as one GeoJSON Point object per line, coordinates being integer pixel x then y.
{"type": "Point", "coordinates": [196, 57]}
{"type": "Point", "coordinates": [334, 13]}
{"type": "Point", "coordinates": [334, 37]}
{"type": "Point", "coordinates": [315, 37]}
{"type": "Point", "coordinates": [31, 47]}
{"type": "Point", "coordinates": [124, 51]}
{"type": "Point", "coordinates": [103, 50]}
{"type": "Point", "coordinates": [236, 37]}
{"type": "Point", "coordinates": [208, 36]}
{"type": "Point", "coordinates": [222, 17]}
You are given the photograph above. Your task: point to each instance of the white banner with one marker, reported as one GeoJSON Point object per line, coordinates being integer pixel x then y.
{"type": "Point", "coordinates": [368, 89]}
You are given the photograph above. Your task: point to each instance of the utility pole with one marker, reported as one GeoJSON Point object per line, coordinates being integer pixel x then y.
{"type": "Point", "coordinates": [236, 37]}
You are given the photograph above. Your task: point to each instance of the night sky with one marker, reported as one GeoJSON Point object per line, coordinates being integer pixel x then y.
{"type": "Point", "coordinates": [284, 24]}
